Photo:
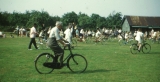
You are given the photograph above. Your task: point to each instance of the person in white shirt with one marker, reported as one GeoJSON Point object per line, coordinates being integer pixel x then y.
{"type": "Point", "coordinates": [89, 33]}
{"type": "Point", "coordinates": [54, 38]}
{"type": "Point", "coordinates": [41, 36]}
{"type": "Point", "coordinates": [68, 34]}
{"type": "Point", "coordinates": [97, 35]}
{"type": "Point", "coordinates": [32, 36]}
{"type": "Point", "coordinates": [81, 34]}
{"type": "Point", "coordinates": [139, 38]}
{"type": "Point", "coordinates": [126, 36]}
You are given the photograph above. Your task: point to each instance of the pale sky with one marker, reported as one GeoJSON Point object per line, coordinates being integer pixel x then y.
{"type": "Point", "coordinates": [101, 7]}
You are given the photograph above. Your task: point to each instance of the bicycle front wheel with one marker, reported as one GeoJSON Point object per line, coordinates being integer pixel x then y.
{"type": "Point", "coordinates": [134, 49]}
{"type": "Point", "coordinates": [146, 48]}
{"type": "Point", "coordinates": [44, 63]}
{"type": "Point", "coordinates": [77, 63]}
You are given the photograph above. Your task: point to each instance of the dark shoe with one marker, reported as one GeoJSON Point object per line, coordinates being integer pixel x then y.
{"type": "Point", "coordinates": [62, 65]}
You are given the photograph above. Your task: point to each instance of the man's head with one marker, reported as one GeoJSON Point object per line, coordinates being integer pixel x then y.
{"type": "Point", "coordinates": [70, 25]}
{"type": "Point", "coordinates": [59, 24]}
{"type": "Point", "coordinates": [35, 25]}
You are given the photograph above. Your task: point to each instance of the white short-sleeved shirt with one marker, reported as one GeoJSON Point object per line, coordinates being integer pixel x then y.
{"type": "Point", "coordinates": [154, 34]}
{"type": "Point", "coordinates": [82, 32]}
{"type": "Point", "coordinates": [126, 35]}
{"type": "Point", "coordinates": [1, 33]}
{"type": "Point", "coordinates": [138, 36]}
{"type": "Point", "coordinates": [97, 34]}
{"type": "Point", "coordinates": [33, 32]}
{"type": "Point", "coordinates": [68, 33]}
{"type": "Point", "coordinates": [55, 33]}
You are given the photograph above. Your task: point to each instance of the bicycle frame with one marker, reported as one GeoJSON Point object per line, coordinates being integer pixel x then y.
{"type": "Point", "coordinates": [69, 46]}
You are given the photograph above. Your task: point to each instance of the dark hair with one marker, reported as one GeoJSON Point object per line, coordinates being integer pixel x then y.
{"type": "Point", "coordinates": [139, 29]}
{"type": "Point", "coordinates": [35, 24]}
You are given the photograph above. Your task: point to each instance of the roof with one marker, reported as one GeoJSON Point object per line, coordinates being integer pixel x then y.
{"type": "Point", "coordinates": [148, 21]}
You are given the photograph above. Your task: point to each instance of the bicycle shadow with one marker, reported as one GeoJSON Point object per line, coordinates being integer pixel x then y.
{"type": "Point", "coordinates": [90, 71]}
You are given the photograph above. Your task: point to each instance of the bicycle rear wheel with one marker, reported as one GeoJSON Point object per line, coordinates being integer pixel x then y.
{"type": "Point", "coordinates": [146, 48]}
{"type": "Point", "coordinates": [134, 49]}
{"type": "Point", "coordinates": [44, 63]}
{"type": "Point", "coordinates": [77, 63]}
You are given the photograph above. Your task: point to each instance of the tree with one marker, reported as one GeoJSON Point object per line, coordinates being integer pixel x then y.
{"type": "Point", "coordinates": [69, 18]}
{"type": "Point", "coordinates": [114, 19]}
{"type": "Point", "coordinates": [83, 20]}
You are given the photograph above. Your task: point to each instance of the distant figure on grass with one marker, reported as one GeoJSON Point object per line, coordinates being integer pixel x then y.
{"type": "Point", "coordinates": [32, 36]}
{"type": "Point", "coordinates": [98, 34]}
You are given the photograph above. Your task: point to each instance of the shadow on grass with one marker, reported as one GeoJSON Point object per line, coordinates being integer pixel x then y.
{"type": "Point", "coordinates": [155, 53]}
{"type": "Point", "coordinates": [98, 71]}
{"type": "Point", "coordinates": [89, 71]}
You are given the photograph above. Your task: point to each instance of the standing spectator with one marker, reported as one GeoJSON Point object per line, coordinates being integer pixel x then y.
{"type": "Point", "coordinates": [21, 32]}
{"type": "Point", "coordinates": [126, 36]}
{"type": "Point", "coordinates": [98, 33]}
{"type": "Point", "coordinates": [77, 33]}
{"type": "Point", "coordinates": [41, 37]}
{"type": "Point", "coordinates": [17, 31]}
{"type": "Point", "coordinates": [45, 31]}
{"type": "Point", "coordinates": [89, 33]}
{"type": "Point", "coordinates": [152, 32]}
{"type": "Point", "coordinates": [120, 31]}
{"type": "Point", "coordinates": [68, 34]}
{"type": "Point", "coordinates": [93, 33]}
{"type": "Point", "coordinates": [32, 36]}
{"type": "Point", "coordinates": [81, 34]}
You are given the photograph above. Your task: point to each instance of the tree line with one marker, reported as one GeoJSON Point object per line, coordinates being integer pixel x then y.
{"type": "Point", "coordinates": [9, 21]}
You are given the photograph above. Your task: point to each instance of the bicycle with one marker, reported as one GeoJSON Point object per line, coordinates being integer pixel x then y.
{"type": "Point", "coordinates": [145, 48]}
{"type": "Point", "coordinates": [45, 63]}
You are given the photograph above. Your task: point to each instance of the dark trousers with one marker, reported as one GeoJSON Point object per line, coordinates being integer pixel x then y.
{"type": "Point", "coordinates": [34, 43]}
{"type": "Point", "coordinates": [58, 51]}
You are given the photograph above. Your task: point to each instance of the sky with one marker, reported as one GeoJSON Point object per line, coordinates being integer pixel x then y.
{"type": "Point", "coordinates": [101, 7]}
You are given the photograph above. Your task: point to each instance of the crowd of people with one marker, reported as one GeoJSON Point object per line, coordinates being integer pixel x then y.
{"type": "Point", "coordinates": [56, 35]}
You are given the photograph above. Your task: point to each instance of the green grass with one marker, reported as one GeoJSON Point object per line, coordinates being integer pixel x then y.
{"type": "Point", "coordinates": [106, 63]}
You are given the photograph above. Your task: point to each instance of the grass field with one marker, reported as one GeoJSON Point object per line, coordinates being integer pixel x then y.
{"type": "Point", "coordinates": [106, 63]}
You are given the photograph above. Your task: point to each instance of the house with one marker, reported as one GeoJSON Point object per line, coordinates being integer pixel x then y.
{"type": "Point", "coordinates": [146, 23]}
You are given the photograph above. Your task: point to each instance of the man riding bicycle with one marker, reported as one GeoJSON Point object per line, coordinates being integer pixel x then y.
{"type": "Point", "coordinates": [139, 38]}
{"type": "Point", "coordinates": [53, 40]}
